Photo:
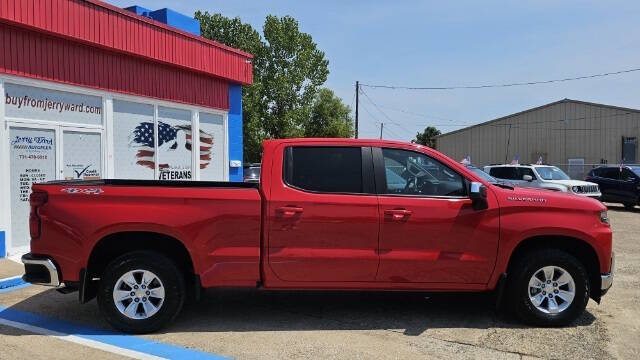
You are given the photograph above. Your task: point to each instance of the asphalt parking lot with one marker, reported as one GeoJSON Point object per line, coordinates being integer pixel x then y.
{"type": "Point", "coordinates": [260, 325]}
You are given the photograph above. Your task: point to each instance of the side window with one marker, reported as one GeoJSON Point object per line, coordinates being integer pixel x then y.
{"type": "Point", "coordinates": [412, 173]}
{"type": "Point", "coordinates": [525, 171]}
{"type": "Point", "coordinates": [324, 169]}
{"type": "Point", "coordinates": [610, 173]}
{"type": "Point", "coordinates": [627, 175]}
{"type": "Point", "coordinates": [507, 173]}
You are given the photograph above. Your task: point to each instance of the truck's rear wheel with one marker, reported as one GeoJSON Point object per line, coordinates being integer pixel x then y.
{"type": "Point", "coordinates": [548, 288]}
{"type": "Point", "coordinates": [141, 292]}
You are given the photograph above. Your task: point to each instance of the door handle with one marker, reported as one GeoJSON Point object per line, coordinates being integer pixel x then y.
{"type": "Point", "coordinates": [398, 214]}
{"type": "Point", "coordinates": [289, 211]}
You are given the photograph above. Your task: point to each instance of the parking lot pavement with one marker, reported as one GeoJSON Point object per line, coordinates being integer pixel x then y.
{"type": "Point", "coordinates": [258, 325]}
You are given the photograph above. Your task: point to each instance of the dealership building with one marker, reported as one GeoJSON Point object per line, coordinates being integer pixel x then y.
{"type": "Point", "coordinates": [93, 91]}
{"type": "Point", "coordinates": [574, 135]}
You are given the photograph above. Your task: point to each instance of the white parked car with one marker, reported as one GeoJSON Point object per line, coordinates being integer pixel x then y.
{"type": "Point", "coordinates": [544, 177]}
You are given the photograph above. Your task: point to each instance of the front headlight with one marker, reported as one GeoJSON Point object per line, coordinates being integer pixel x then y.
{"type": "Point", "coordinates": [604, 217]}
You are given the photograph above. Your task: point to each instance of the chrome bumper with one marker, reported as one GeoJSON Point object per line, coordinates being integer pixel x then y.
{"type": "Point", "coordinates": [40, 271]}
{"type": "Point", "coordinates": [607, 279]}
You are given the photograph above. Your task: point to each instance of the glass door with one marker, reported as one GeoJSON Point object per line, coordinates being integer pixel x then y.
{"type": "Point", "coordinates": [32, 159]}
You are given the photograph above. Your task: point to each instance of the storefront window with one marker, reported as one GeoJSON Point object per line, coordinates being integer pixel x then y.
{"type": "Point", "coordinates": [212, 147]}
{"type": "Point", "coordinates": [174, 144]}
{"type": "Point", "coordinates": [133, 140]}
{"type": "Point", "coordinates": [27, 102]}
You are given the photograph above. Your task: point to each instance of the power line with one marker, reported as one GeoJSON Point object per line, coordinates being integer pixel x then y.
{"type": "Point", "coordinates": [379, 123]}
{"type": "Point", "coordinates": [393, 87]}
{"type": "Point", "coordinates": [415, 114]}
{"type": "Point", "coordinates": [383, 113]}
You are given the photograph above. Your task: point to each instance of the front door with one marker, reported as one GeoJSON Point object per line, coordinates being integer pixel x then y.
{"type": "Point", "coordinates": [32, 159]}
{"type": "Point", "coordinates": [429, 231]}
{"type": "Point", "coordinates": [323, 215]}
{"type": "Point", "coordinates": [39, 153]}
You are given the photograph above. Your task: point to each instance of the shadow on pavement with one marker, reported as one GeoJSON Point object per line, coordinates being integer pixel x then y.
{"type": "Point", "coordinates": [252, 310]}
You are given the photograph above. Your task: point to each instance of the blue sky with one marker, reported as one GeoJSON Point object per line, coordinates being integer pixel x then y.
{"type": "Point", "coordinates": [448, 43]}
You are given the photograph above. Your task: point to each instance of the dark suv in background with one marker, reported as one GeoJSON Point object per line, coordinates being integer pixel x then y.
{"type": "Point", "coordinates": [618, 184]}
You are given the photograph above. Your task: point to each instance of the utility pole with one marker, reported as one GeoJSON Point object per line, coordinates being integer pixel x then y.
{"type": "Point", "coordinates": [381, 127]}
{"type": "Point", "coordinates": [357, 92]}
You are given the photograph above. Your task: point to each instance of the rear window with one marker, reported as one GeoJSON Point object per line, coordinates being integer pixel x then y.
{"type": "Point", "coordinates": [324, 169]}
{"type": "Point", "coordinates": [507, 173]}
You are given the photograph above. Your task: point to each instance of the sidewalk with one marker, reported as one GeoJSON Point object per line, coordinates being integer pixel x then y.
{"type": "Point", "coordinates": [9, 268]}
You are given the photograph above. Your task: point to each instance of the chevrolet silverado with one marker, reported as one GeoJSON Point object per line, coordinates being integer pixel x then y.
{"type": "Point", "coordinates": [327, 214]}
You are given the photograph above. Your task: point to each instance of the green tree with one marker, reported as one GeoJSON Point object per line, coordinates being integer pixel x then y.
{"type": "Point", "coordinates": [288, 69]}
{"type": "Point", "coordinates": [427, 137]}
{"type": "Point", "coordinates": [329, 117]}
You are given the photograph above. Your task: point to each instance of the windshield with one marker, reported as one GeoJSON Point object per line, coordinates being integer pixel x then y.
{"type": "Point", "coordinates": [551, 173]}
{"type": "Point", "coordinates": [482, 174]}
{"type": "Point", "coordinates": [635, 169]}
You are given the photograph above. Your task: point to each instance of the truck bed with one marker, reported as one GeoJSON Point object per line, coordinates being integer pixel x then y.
{"type": "Point", "coordinates": [161, 183]}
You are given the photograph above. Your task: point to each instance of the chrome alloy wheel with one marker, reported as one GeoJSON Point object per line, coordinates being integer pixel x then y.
{"type": "Point", "coordinates": [138, 294]}
{"type": "Point", "coordinates": [551, 289]}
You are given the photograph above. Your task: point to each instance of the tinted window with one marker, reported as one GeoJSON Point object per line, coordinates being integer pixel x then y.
{"type": "Point", "coordinates": [627, 175]}
{"type": "Point", "coordinates": [507, 173]}
{"type": "Point", "coordinates": [412, 173]}
{"type": "Point", "coordinates": [526, 171]}
{"type": "Point", "coordinates": [324, 169]}
{"type": "Point", "coordinates": [609, 173]}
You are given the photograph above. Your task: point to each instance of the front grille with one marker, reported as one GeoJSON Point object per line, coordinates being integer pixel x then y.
{"type": "Point", "coordinates": [587, 189]}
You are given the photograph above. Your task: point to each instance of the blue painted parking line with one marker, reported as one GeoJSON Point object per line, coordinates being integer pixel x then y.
{"type": "Point", "coordinates": [133, 346]}
{"type": "Point", "coordinates": [12, 283]}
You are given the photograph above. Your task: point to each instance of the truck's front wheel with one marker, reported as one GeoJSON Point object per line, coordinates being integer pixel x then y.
{"type": "Point", "coordinates": [548, 288]}
{"type": "Point", "coordinates": [140, 292]}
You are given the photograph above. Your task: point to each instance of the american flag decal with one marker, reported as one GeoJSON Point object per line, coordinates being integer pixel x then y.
{"type": "Point", "coordinates": [143, 139]}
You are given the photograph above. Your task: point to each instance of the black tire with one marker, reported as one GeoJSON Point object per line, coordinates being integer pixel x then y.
{"type": "Point", "coordinates": [167, 272]}
{"type": "Point", "coordinates": [629, 206]}
{"type": "Point", "coordinates": [518, 287]}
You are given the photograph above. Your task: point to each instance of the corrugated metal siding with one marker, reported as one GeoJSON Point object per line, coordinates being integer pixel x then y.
{"type": "Point", "coordinates": [592, 132]}
{"type": "Point", "coordinates": [104, 25]}
{"type": "Point", "coordinates": [35, 55]}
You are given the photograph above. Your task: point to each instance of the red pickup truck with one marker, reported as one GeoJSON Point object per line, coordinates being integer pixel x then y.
{"type": "Point", "coordinates": [327, 214]}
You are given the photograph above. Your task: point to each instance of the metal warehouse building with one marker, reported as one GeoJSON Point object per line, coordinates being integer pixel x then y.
{"type": "Point", "coordinates": [93, 91]}
{"type": "Point", "coordinates": [573, 135]}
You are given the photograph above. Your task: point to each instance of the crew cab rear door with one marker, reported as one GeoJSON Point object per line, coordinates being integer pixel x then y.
{"type": "Point", "coordinates": [322, 214]}
{"type": "Point", "coordinates": [430, 233]}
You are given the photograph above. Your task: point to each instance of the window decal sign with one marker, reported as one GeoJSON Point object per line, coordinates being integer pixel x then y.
{"type": "Point", "coordinates": [29, 102]}
{"type": "Point", "coordinates": [32, 159]}
{"type": "Point", "coordinates": [82, 155]}
{"type": "Point", "coordinates": [174, 149]}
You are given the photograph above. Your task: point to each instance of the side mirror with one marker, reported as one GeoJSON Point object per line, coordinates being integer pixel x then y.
{"type": "Point", "coordinates": [527, 178]}
{"type": "Point", "coordinates": [478, 195]}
